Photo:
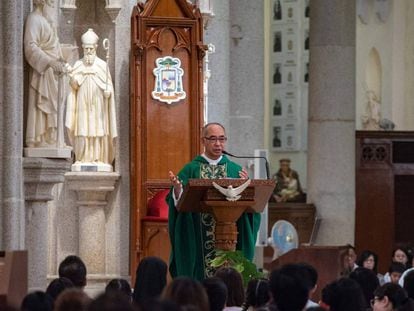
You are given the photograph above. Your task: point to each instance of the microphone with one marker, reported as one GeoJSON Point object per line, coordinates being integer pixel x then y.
{"type": "Point", "coordinates": [250, 157]}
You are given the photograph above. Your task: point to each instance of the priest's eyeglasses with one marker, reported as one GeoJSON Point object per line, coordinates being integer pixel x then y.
{"type": "Point", "coordinates": [214, 139]}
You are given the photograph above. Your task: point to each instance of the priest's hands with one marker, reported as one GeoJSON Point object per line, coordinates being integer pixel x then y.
{"type": "Point", "coordinates": [176, 183]}
{"type": "Point", "coordinates": [243, 174]}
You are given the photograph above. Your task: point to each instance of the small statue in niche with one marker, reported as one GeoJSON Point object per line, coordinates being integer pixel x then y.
{"type": "Point", "coordinates": [90, 114]}
{"type": "Point", "coordinates": [288, 188]}
{"type": "Point", "coordinates": [277, 143]}
{"type": "Point", "coordinates": [277, 108]}
{"type": "Point", "coordinates": [371, 118]}
{"type": "Point", "coordinates": [277, 76]}
{"type": "Point", "coordinates": [277, 10]}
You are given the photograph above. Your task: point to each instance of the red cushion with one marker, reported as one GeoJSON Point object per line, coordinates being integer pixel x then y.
{"type": "Point", "coordinates": [158, 206]}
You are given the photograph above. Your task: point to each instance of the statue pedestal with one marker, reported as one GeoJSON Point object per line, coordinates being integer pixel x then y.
{"type": "Point", "coordinates": [92, 190]}
{"type": "Point", "coordinates": [40, 176]}
{"type": "Point", "coordinates": [48, 152]}
{"type": "Point", "coordinates": [91, 167]}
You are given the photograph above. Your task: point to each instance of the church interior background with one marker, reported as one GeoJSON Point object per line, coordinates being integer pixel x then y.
{"type": "Point", "coordinates": [298, 84]}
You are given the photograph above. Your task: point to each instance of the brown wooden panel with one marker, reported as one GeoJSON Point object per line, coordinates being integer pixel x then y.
{"type": "Point", "coordinates": [301, 215]}
{"type": "Point", "coordinates": [384, 179]}
{"type": "Point", "coordinates": [163, 136]}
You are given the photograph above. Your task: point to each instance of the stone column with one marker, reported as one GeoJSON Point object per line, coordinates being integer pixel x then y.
{"type": "Point", "coordinates": [93, 192]}
{"type": "Point", "coordinates": [40, 176]}
{"type": "Point", "coordinates": [331, 138]}
{"type": "Point", "coordinates": [218, 33]}
{"type": "Point", "coordinates": [11, 117]}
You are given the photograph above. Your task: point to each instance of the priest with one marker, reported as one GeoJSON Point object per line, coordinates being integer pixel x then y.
{"type": "Point", "coordinates": [192, 234]}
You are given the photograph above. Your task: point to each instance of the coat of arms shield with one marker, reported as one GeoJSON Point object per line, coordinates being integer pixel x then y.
{"type": "Point", "coordinates": [168, 74]}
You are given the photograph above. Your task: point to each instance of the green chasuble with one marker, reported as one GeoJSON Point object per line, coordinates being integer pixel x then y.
{"type": "Point", "coordinates": [192, 234]}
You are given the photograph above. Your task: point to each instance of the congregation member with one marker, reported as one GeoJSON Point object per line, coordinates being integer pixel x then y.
{"type": "Point", "coordinates": [216, 292]}
{"type": "Point", "coordinates": [235, 290]}
{"type": "Point", "coordinates": [368, 259]}
{"type": "Point", "coordinates": [150, 279]}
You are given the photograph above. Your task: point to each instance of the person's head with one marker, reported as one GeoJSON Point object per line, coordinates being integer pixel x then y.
{"type": "Point", "coordinates": [37, 301]}
{"type": "Point", "coordinates": [369, 260]}
{"type": "Point", "coordinates": [257, 293]}
{"type": "Point", "coordinates": [409, 284]}
{"type": "Point", "coordinates": [311, 275]}
{"type": "Point", "coordinates": [216, 292]}
{"type": "Point", "coordinates": [395, 271]}
{"type": "Point", "coordinates": [288, 290]}
{"type": "Point", "coordinates": [350, 257]}
{"type": "Point", "coordinates": [234, 282]}
{"type": "Point", "coordinates": [89, 44]}
{"type": "Point", "coordinates": [160, 305]}
{"type": "Point", "coordinates": [389, 297]}
{"type": "Point", "coordinates": [214, 139]}
{"type": "Point", "coordinates": [284, 165]}
{"type": "Point", "coordinates": [343, 295]}
{"type": "Point", "coordinates": [187, 293]}
{"type": "Point", "coordinates": [150, 279]}
{"type": "Point", "coordinates": [72, 299]}
{"type": "Point", "coordinates": [57, 286]}
{"type": "Point", "coordinates": [119, 286]}
{"type": "Point", "coordinates": [400, 254]}
{"type": "Point", "coordinates": [367, 280]}
{"type": "Point", "coordinates": [111, 301]}
{"type": "Point", "coordinates": [74, 269]}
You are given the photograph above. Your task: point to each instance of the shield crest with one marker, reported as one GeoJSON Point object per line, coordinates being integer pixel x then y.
{"type": "Point", "coordinates": [168, 80]}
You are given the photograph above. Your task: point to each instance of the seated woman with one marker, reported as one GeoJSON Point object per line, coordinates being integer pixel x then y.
{"type": "Point", "coordinates": [369, 260]}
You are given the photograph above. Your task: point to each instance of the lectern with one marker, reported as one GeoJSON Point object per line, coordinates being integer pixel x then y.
{"type": "Point", "coordinates": [199, 195]}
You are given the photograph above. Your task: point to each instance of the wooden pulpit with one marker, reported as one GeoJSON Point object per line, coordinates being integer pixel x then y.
{"type": "Point", "coordinates": [327, 260]}
{"type": "Point", "coordinates": [199, 195]}
{"type": "Point", "coordinates": [13, 278]}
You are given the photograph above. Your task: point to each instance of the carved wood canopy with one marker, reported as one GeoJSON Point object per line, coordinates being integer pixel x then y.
{"type": "Point", "coordinates": [164, 136]}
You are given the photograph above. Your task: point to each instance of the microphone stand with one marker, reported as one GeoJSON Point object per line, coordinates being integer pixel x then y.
{"type": "Point", "coordinates": [250, 157]}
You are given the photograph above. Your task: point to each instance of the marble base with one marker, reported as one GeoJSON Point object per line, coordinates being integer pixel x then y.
{"type": "Point", "coordinates": [92, 167]}
{"type": "Point", "coordinates": [42, 152]}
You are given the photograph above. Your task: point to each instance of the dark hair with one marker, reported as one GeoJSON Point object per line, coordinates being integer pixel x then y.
{"type": "Point", "coordinates": [409, 284]}
{"type": "Point", "coordinates": [257, 293]}
{"type": "Point", "coordinates": [315, 309]}
{"type": "Point", "coordinates": [119, 286]}
{"type": "Point", "coordinates": [367, 280]}
{"type": "Point", "coordinates": [37, 301]}
{"type": "Point", "coordinates": [396, 267]}
{"type": "Point", "coordinates": [234, 282]}
{"type": "Point", "coordinates": [150, 279]}
{"type": "Point", "coordinates": [406, 252]}
{"type": "Point", "coordinates": [187, 292]}
{"type": "Point", "coordinates": [289, 291]}
{"type": "Point", "coordinates": [216, 292]}
{"type": "Point", "coordinates": [159, 305]}
{"type": "Point", "coordinates": [57, 286]}
{"type": "Point", "coordinates": [395, 293]}
{"type": "Point", "coordinates": [311, 273]}
{"type": "Point", "coordinates": [72, 299]}
{"type": "Point", "coordinates": [343, 295]}
{"type": "Point", "coordinates": [364, 256]}
{"type": "Point", "coordinates": [73, 268]}
{"type": "Point", "coordinates": [111, 301]}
